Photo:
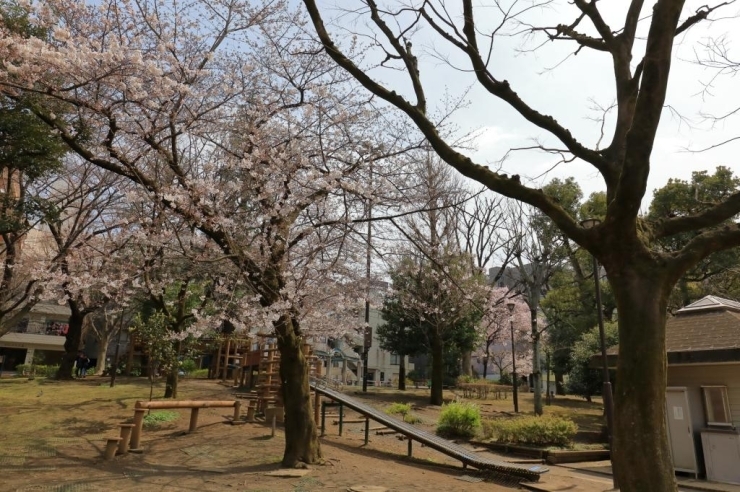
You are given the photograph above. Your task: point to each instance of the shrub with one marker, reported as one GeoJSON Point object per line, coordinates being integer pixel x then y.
{"type": "Point", "coordinates": [37, 370]}
{"type": "Point", "coordinates": [548, 430]}
{"type": "Point", "coordinates": [198, 373]}
{"type": "Point", "coordinates": [403, 409]}
{"type": "Point", "coordinates": [459, 419]}
{"type": "Point", "coordinates": [188, 366]}
{"type": "Point", "coordinates": [399, 409]}
{"type": "Point", "coordinates": [155, 419]}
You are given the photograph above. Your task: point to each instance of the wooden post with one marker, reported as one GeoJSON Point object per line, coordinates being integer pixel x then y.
{"type": "Point", "coordinates": [410, 441]}
{"type": "Point", "coordinates": [138, 426]}
{"type": "Point", "coordinates": [193, 419]}
{"type": "Point", "coordinates": [274, 420]}
{"type": "Point", "coordinates": [251, 409]}
{"type": "Point", "coordinates": [341, 419]}
{"type": "Point", "coordinates": [110, 448]}
{"type": "Point", "coordinates": [123, 443]}
{"type": "Point", "coordinates": [367, 430]}
{"type": "Point", "coordinates": [225, 368]}
{"type": "Point", "coordinates": [237, 411]}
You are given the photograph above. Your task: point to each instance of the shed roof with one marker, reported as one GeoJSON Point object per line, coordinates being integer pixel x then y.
{"type": "Point", "coordinates": [707, 330]}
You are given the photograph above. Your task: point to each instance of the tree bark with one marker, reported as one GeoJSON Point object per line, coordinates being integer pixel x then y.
{"type": "Point", "coordinates": [102, 354]}
{"type": "Point", "coordinates": [437, 368]}
{"type": "Point", "coordinates": [72, 342]}
{"type": "Point", "coordinates": [536, 371]}
{"type": "Point", "coordinates": [301, 436]}
{"type": "Point", "coordinates": [170, 388]}
{"type": "Point", "coordinates": [641, 450]}
{"type": "Point", "coordinates": [402, 372]}
{"type": "Point", "coordinates": [467, 369]}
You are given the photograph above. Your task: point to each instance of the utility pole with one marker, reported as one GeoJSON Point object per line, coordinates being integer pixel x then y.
{"type": "Point", "coordinates": [368, 338]}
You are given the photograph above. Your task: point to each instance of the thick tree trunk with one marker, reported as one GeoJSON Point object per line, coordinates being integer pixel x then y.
{"type": "Point", "coordinates": [437, 369]}
{"type": "Point", "coordinates": [467, 368]}
{"type": "Point", "coordinates": [641, 451]}
{"type": "Point", "coordinates": [301, 436]}
{"type": "Point", "coordinates": [72, 342]}
{"type": "Point", "coordinates": [485, 368]}
{"type": "Point", "coordinates": [402, 373]}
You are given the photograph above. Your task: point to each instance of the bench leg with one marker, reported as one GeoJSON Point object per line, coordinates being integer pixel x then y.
{"type": "Point", "coordinates": [410, 446]}
{"type": "Point", "coordinates": [193, 420]}
{"type": "Point", "coordinates": [367, 430]}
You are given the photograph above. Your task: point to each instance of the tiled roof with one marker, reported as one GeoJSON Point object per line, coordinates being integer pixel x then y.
{"type": "Point", "coordinates": [710, 302]}
{"type": "Point", "coordinates": [711, 323]}
{"type": "Point", "coordinates": [703, 330]}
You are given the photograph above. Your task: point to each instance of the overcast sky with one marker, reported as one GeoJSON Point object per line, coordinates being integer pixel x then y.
{"type": "Point", "coordinates": [570, 92]}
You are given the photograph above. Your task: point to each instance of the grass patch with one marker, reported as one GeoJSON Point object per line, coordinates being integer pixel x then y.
{"type": "Point", "coordinates": [156, 419]}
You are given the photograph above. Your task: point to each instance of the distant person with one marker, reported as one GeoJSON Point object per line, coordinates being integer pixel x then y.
{"type": "Point", "coordinates": [84, 362]}
{"type": "Point", "coordinates": [78, 364]}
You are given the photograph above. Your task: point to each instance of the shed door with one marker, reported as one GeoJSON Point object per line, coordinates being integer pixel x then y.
{"type": "Point", "coordinates": [680, 431]}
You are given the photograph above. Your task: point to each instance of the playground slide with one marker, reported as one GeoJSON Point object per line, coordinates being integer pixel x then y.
{"type": "Point", "coordinates": [466, 456]}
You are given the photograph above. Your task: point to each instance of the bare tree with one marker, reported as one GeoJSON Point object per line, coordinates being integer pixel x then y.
{"type": "Point", "coordinates": [641, 276]}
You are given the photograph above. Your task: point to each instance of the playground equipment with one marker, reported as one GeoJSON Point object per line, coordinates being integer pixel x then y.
{"type": "Point", "coordinates": [467, 457]}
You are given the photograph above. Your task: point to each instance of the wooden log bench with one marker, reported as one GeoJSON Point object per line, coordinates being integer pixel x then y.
{"type": "Point", "coordinates": [111, 446]}
{"type": "Point", "coordinates": [141, 408]}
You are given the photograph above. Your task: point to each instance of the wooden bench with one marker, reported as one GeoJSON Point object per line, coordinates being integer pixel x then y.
{"type": "Point", "coordinates": [141, 408]}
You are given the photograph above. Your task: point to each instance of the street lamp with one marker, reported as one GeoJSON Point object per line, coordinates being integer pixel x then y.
{"type": "Point", "coordinates": [607, 385]}
{"type": "Point", "coordinates": [511, 306]}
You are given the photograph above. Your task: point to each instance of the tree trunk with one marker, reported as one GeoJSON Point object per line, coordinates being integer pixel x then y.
{"type": "Point", "coordinates": [467, 369]}
{"type": "Point", "coordinates": [559, 383]}
{"type": "Point", "coordinates": [72, 342]}
{"type": "Point", "coordinates": [485, 368]}
{"type": "Point", "coordinates": [437, 369]}
{"type": "Point", "coordinates": [402, 372]}
{"type": "Point", "coordinates": [301, 436]}
{"type": "Point", "coordinates": [170, 387]}
{"type": "Point", "coordinates": [102, 354]}
{"type": "Point", "coordinates": [173, 376]}
{"type": "Point", "coordinates": [536, 371]}
{"type": "Point", "coordinates": [641, 452]}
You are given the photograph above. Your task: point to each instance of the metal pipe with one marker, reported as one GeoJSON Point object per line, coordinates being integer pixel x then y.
{"type": "Point", "coordinates": [606, 391]}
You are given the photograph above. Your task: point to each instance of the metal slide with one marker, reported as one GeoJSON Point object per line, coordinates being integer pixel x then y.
{"type": "Point", "coordinates": [466, 456]}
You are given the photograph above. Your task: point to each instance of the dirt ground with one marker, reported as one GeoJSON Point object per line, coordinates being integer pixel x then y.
{"type": "Point", "coordinates": [52, 437]}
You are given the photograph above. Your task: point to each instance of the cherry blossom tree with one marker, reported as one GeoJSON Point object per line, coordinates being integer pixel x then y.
{"type": "Point", "coordinates": [495, 332]}
{"type": "Point", "coordinates": [227, 115]}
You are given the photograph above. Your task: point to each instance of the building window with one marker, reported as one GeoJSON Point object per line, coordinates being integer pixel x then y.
{"type": "Point", "coordinates": [716, 405]}
{"type": "Point", "coordinates": [382, 376]}
{"type": "Point", "coordinates": [395, 360]}
{"type": "Point", "coordinates": [335, 363]}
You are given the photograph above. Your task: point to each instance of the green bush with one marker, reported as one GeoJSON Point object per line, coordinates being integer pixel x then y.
{"type": "Point", "coordinates": [399, 409]}
{"type": "Point", "coordinates": [34, 370]}
{"type": "Point", "coordinates": [403, 409]}
{"type": "Point", "coordinates": [198, 373]}
{"type": "Point", "coordinates": [155, 419]}
{"type": "Point", "coordinates": [459, 419]}
{"type": "Point", "coordinates": [188, 366]}
{"type": "Point", "coordinates": [548, 430]}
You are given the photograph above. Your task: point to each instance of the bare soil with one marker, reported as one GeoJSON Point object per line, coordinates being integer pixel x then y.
{"type": "Point", "coordinates": [52, 436]}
